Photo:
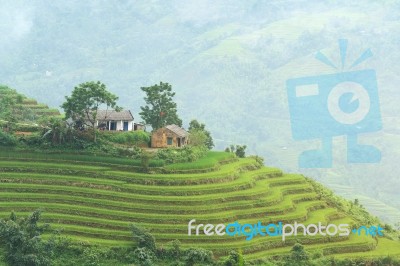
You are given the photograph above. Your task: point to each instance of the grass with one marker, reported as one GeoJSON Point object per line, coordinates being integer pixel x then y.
{"type": "Point", "coordinates": [244, 181]}
{"type": "Point", "coordinates": [95, 199]}
{"type": "Point", "coordinates": [209, 161]}
{"type": "Point", "coordinates": [38, 109]}
{"type": "Point", "coordinates": [60, 157]}
{"type": "Point", "coordinates": [384, 248]}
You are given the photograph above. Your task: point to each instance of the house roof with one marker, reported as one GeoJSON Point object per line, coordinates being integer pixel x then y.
{"type": "Point", "coordinates": [178, 130]}
{"type": "Point", "coordinates": [107, 115]}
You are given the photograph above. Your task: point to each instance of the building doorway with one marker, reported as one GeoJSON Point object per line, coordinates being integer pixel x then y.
{"type": "Point", "coordinates": [113, 125]}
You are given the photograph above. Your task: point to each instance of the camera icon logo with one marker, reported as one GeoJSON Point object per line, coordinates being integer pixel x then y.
{"type": "Point", "coordinates": [325, 106]}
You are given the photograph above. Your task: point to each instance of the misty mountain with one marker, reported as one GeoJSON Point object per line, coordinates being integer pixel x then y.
{"type": "Point", "coordinates": [228, 62]}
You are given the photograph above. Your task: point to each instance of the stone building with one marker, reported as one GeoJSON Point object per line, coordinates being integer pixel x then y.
{"type": "Point", "coordinates": [169, 136]}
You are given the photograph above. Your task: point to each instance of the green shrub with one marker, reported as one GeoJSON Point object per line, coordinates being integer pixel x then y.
{"type": "Point", "coordinates": [208, 162]}
{"type": "Point", "coordinates": [173, 249]}
{"type": "Point", "coordinates": [234, 259]}
{"type": "Point", "coordinates": [198, 138]}
{"type": "Point", "coordinates": [7, 139]}
{"type": "Point", "coordinates": [27, 128]}
{"type": "Point", "coordinates": [143, 238]}
{"type": "Point", "coordinates": [22, 242]}
{"type": "Point", "coordinates": [239, 150]}
{"type": "Point", "coordinates": [196, 255]}
{"type": "Point", "coordinates": [199, 135]}
{"type": "Point", "coordinates": [186, 154]}
{"type": "Point", "coordinates": [145, 161]}
{"type": "Point", "coordinates": [144, 256]}
{"type": "Point", "coordinates": [298, 256]}
{"type": "Point", "coordinates": [134, 152]}
{"type": "Point", "coordinates": [91, 257]}
{"type": "Point", "coordinates": [139, 137]}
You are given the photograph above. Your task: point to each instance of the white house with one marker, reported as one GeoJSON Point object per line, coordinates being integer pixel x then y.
{"type": "Point", "coordinates": [115, 121]}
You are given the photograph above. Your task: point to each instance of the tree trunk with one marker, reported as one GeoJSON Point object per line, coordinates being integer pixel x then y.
{"type": "Point", "coordinates": [94, 134]}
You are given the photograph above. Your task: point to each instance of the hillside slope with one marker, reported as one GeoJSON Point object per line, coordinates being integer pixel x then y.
{"type": "Point", "coordinates": [95, 202]}
{"type": "Point", "coordinates": [32, 110]}
{"type": "Point", "coordinates": [228, 61]}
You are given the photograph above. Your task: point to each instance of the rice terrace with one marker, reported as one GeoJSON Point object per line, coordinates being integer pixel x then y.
{"type": "Point", "coordinates": [96, 192]}
{"type": "Point", "coordinates": [95, 199]}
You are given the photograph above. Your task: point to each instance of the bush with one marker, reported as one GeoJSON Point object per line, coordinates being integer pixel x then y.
{"type": "Point", "coordinates": [139, 138]}
{"type": "Point", "coordinates": [200, 135]}
{"type": "Point", "coordinates": [144, 256]}
{"type": "Point", "coordinates": [27, 128]}
{"type": "Point", "coordinates": [239, 150]}
{"type": "Point", "coordinates": [197, 138]}
{"type": "Point", "coordinates": [183, 155]}
{"type": "Point", "coordinates": [22, 242]}
{"type": "Point", "coordinates": [91, 257]}
{"type": "Point", "coordinates": [174, 249]}
{"type": "Point", "coordinates": [108, 149]}
{"type": "Point", "coordinates": [7, 139]}
{"type": "Point", "coordinates": [234, 259]}
{"type": "Point", "coordinates": [195, 255]}
{"type": "Point", "coordinates": [143, 238]}
{"type": "Point", "coordinates": [145, 161]}
{"type": "Point", "coordinates": [298, 256]}
{"type": "Point", "coordinates": [134, 152]}
{"type": "Point", "coordinates": [32, 140]}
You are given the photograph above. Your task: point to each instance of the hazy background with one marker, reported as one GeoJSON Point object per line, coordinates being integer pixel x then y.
{"type": "Point", "coordinates": [228, 61]}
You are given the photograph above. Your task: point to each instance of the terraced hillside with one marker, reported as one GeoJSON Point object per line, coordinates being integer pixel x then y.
{"type": "Point", "coordinates": [96, 201]}
{"type": "Point", "coordinates": [37, 109]}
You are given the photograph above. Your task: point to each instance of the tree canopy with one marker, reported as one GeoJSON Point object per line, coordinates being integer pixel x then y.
{"type": "Point", "coordinates": [198, 133]}
{"type": "Point", "coordinates": [160, 109]}
{"type": "Point", "coordinates": [22, 242]}
{"type": "Point", "coordinates": [86, 99]}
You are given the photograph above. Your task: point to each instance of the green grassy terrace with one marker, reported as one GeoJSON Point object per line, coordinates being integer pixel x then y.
{"type": "Point", "coordinates": [37, 109]}
{"type": "Point", "coordinates": [94, 199]}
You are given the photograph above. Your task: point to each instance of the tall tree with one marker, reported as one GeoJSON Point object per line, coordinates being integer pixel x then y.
{"type": "Point", "coordinates": [195, 128]}
{"type": "Point", "coordinates": [160, 110]}
{"type": "Point", "coordinates": [86, 99]}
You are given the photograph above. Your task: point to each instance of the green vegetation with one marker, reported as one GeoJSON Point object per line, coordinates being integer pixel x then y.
{"type": "Point", "coordinates": [11, 109]}
{"type": "Point", "coordinates": [7, 139]}
{"type": "Point", "coordinates": [21, 240]}
{"type": "Point", "coordinates": [84, 103]}
{"type": "Point", "coordinates": [58, 156]}
{"type": "Point", "coordinates": [199, 135]}
{"type": "Point", "coordinates": [96, 200]}
{"type": "Point", "coordinates": [18, 113]}
{"type": "Point", "coordinates": [185, 154]}
{"type": "Point", "coordinates": [228, 68]}
{"type": "Point", "coordinates": [160, 110]}
{"type": "Point", "coordinates": [239, 150]}
{"type": "Point", "coordinates": [207, 162]}
{"type": "Point", "coordinates": [137, 138]}
{"type": "Point", "coordinates": [117, 203]}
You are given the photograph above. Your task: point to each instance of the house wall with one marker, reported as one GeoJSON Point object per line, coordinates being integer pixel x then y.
{"type": "Point", "coordinates": [159, 138]}
{"type": "Point", "coordinates": [120, 125]}
{"type": "Point", "coordinates": [139, 127]}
